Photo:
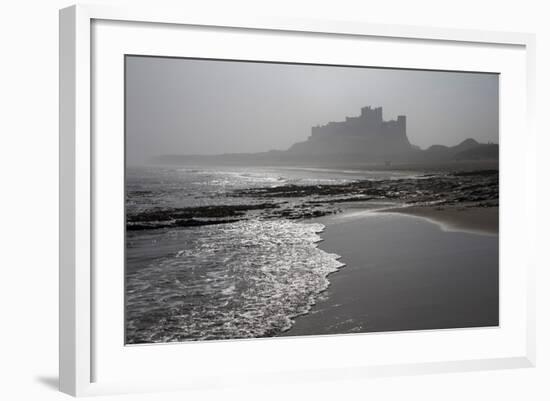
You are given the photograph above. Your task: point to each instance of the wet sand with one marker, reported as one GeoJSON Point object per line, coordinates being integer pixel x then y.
{"type": "Point", "coordinates": [404, 273]}
{"type": "Point", "coordinates": [463, 217]}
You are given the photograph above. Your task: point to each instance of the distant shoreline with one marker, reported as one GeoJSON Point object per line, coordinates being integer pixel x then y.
{"type": "Point", "coordinates": [419, 166]}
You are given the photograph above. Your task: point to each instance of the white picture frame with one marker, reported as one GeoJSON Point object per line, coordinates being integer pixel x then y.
{"type": "Point", "coordinates": [78, 160]}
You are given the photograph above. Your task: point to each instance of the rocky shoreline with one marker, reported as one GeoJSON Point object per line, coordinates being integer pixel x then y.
{"type": "Point", "coordinates": [464, 189]}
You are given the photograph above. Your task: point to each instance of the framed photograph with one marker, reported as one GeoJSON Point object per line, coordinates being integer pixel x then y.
{"type": "Point", "coordinates": [279, 200]}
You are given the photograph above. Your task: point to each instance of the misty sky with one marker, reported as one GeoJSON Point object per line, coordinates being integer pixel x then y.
{"type": "Point", "coordinates": [181, 106]}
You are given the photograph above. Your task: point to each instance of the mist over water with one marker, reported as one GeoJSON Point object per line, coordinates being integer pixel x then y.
{"type": "Point", "coordinates": [193, 106]}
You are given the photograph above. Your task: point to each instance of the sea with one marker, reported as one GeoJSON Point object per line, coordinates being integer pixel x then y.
{"type": "Point", "coordinates": [243, 279]}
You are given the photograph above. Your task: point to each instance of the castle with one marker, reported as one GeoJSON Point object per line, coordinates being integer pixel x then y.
{"type": "Point", "coordinates": [370, 123]}
{"type": "Point", "coordinates": [365, 139]}
{"type": "Point", "coordinates": [367, 133]}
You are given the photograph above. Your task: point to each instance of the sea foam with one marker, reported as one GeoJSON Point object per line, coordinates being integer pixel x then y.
{"type": "Point", "coordinates": [240, 280]}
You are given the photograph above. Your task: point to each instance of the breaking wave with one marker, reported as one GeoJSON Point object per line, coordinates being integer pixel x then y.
{"type": "Point", "coordinates": [239, 280]}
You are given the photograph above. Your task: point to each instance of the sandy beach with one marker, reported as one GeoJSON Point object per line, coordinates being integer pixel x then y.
{"type": "Point", "coordinates": [405, 272]}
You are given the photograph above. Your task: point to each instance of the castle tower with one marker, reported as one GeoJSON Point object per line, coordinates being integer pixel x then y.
{"type": "Point", "coordinates": [373, 115]}
{"type": "Point", "coordinates": [402, 123]}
